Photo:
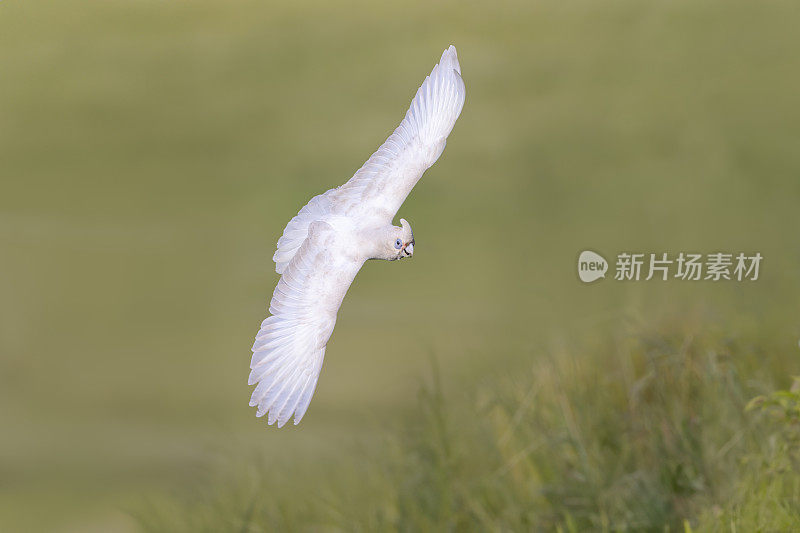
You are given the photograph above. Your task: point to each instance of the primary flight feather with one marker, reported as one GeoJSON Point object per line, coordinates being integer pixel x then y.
{"type": "Point", "coordinates": [324, 246]}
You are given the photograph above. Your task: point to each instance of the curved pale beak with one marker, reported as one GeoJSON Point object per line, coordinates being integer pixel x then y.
{"type": "Point", "coordinates": [409, 248]}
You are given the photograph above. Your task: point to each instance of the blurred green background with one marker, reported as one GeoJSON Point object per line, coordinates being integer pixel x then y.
{"type": "Point", "coordinates": [152, 152]}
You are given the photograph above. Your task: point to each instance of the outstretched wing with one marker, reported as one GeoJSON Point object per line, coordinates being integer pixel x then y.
{"type": "Point", "coordinates": [290, 347]}
{"type": "Point", "coordinates": [381, 186]}
{"type": "Point", "coordinates": [383, 183]}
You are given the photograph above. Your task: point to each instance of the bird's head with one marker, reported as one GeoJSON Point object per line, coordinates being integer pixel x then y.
{"type": "Point", "coordinates": [402, 242]}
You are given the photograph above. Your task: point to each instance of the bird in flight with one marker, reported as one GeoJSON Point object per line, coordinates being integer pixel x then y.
{"type": "Point", "coordinates": [325, 245]}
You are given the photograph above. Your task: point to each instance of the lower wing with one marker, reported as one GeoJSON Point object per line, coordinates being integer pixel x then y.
{"type": "Point", "coordinates": [290, 346]}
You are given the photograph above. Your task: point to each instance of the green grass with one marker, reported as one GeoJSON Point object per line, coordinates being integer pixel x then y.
{"type": "Point", "coordinates": [152, 152]}
{"type": "Point", "coordinates": [648, 430]}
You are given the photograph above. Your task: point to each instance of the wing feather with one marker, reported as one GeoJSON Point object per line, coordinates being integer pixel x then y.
{"type": "Point", "coordinates": [383, 183]}
{"type": "Point", "coordinates": [296, 230]}
{"type": "Point", "coordinates": [290, 346]}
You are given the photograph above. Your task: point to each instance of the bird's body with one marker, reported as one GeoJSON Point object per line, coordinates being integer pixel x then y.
{"type": "Point", "coordinates": [326, 244]}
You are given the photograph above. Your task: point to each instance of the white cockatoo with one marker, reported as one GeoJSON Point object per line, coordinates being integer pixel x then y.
{"type": "Point", "coordinates": [324, 246]}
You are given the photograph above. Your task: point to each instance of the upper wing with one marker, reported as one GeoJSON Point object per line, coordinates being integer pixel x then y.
{"type": "Point", "coordinates": [289, 348]}
{"type": "Point", "coordinates": [383, 183]}
{"type": "Point", "coordinates": [381, 186]}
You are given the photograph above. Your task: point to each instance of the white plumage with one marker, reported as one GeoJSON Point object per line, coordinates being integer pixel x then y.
{"type": "Point", "coordinates": [324, 246]}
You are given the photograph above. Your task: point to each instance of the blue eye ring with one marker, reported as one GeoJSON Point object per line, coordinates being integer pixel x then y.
{"type": "Point", "coordinates": [398, 244]}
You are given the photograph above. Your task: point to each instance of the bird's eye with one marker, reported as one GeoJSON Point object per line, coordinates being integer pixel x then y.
{"type": "Point", "coordinates": [398, 244]}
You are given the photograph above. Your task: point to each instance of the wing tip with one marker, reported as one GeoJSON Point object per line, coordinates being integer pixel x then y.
{"type": "Point", "coordinates": [437, 103]}
{"type": "Point", "coordinates": [277, 419]}
{"type": "Point", "coordinates": [278, 413]}
{"type": "Point", "coordinates": [450, 59]}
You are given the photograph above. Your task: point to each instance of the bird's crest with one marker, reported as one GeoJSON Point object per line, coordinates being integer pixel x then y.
{"type": "Point", "coordinates": [408, 235]}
